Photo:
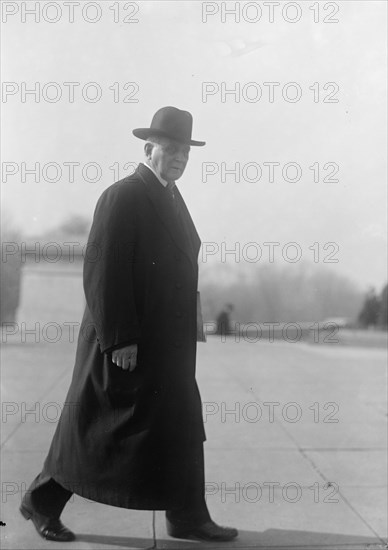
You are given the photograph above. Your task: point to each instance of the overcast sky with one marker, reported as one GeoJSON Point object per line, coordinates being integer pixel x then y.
{"type": "Point", "coordinates": [169, 53]}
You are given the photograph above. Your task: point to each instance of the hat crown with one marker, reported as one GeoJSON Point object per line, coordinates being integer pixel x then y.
{"type": "Point", "coordinates": [174, 122]}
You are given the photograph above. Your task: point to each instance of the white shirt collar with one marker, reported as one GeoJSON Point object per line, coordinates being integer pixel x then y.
{"type": "Point", "coordinates": [162, 181]}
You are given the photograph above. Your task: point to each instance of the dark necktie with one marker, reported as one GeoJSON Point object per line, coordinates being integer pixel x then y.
{"type": "Point", "coordinates": [171, 189]}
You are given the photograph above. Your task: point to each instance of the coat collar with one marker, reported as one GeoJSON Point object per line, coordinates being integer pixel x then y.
{"type": "Point", "coordinates": [161, 201]}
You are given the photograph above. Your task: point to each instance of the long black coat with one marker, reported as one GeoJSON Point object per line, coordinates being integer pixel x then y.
{"type": "Point", "coordinates": [123, 438]}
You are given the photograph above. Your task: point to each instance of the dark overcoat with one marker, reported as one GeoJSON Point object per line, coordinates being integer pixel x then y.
{"type": "Point", "coordinates": [124, 437]}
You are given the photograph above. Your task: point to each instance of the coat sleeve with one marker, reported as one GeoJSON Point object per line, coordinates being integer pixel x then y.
{"type": "Point", "coordinates": [108, 270]}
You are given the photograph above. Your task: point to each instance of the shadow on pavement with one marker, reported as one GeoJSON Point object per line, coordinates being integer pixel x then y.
{"type": "Point", "coordinates": [112, 540]}
{"type": "Point", "coordinates": [271, 538]}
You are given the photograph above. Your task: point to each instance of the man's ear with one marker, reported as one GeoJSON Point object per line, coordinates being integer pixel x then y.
{"type": "Point", "coordinates": [148, 149]}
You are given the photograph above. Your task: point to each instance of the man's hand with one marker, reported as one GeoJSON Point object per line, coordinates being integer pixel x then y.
{"type": "Point", "coordinates": [125, 357]}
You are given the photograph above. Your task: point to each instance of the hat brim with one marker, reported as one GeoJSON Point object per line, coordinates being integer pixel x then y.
{"type": "Point", "coordinates": [145, 133]}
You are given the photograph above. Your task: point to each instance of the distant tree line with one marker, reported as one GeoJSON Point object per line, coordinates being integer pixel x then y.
{"type": "Point", "coordinates": [268, 293]}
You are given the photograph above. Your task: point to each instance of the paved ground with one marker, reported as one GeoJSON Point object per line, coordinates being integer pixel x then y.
{"type": "Point", "coordinates": [295, 457]}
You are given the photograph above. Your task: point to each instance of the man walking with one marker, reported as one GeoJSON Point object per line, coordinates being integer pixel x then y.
{"type": "Point", "coordinates": [131, 433]}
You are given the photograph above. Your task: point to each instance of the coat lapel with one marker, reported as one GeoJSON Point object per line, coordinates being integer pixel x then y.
{"type": "Point", "coordinates": [196, 241]}
{"type": "Point", "coordinates": [162, 204]}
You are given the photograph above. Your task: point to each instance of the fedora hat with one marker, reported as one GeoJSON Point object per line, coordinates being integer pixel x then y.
{"type": "Point", "coordinates": [172, 123]}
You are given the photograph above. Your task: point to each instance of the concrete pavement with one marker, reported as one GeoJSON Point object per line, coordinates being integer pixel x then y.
{"type": "Point", "coordinates": [295, 456]}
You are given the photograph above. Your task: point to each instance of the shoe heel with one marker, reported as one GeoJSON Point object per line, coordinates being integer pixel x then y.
{"type": "Point", "coordinates": [25, 512]}
{"type": "Point", "coordinates": [176, 532]}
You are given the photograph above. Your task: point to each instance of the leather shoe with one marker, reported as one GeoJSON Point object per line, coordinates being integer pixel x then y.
{"type": "Point", "coordinates": [48, 528]}
{"type": "Point", "coordinates": [209, 531]}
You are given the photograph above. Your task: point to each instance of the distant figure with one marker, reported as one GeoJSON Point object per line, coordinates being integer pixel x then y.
{"type": "Point", "coordinates": [223, 320]}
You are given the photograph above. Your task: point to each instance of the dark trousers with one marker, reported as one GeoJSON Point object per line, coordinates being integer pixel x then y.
{"type": "Point", "coordinates": [49, 497]}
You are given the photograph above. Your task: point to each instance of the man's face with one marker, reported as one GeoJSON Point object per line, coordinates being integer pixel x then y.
{"type": "Point", "coordinates": [169, 158]}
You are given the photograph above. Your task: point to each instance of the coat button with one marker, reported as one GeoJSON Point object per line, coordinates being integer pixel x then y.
{"type": "Point", "coordinates": [177, 257]}
{"type": "Point", "coordinates": [177, 344]}
{"type": "Point", "coordinates": [178, 314]}
{"type": "Point", "coordinates": [178, 285]}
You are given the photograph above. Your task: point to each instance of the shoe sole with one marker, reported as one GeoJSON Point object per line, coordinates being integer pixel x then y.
{"type": "Point", "coordinates": [25, 512]}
